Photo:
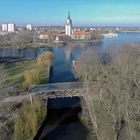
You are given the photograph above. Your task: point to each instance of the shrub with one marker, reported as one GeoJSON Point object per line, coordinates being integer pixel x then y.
{"type": "Point", "coordinates": [34, 76]}
{"type": "Point", "coordinates": [28, 120]}
{"type": "Point", "coordinates": [31, 77]}
{"type": "Point", "coordinates": [45, 59]}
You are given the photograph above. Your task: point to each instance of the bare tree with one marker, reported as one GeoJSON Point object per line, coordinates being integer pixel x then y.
{"type": "Point", "coordinates": [5, 39]}
{"type": "Point", "coordinates": [22, 39]}
{"type": "Point", "coordinates": [113, 102]}
{"type": "Point", "coordinates": [51, 34]}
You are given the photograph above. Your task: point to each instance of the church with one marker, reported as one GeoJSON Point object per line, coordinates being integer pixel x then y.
{"type": "Point", "coordinates": [68, 26]}
{"type": "Point", "coordinates": [75, 35]}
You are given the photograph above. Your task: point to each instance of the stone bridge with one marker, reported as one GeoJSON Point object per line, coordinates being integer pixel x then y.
{"type": "Point", "coordinates": [59, 95]}
{"type": "Point", "coordinates": [55, 90]}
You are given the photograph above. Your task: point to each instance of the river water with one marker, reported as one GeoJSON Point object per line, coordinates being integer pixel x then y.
{"type": "Point", "coordinates": [72, 128]}
{"type": "Point", "coordinates": [61, 70]}
{"type": "Point", "coordinates": [69, 126]}
{"type": "Point", "coordinates": [62, 66]}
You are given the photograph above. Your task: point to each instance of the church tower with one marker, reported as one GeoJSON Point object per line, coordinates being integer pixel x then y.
{"type": "Point", "coordinates": [68, 25]}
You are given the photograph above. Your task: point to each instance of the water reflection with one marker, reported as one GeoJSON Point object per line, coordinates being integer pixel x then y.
{"type": "Point", "coordinates": [62, 68]}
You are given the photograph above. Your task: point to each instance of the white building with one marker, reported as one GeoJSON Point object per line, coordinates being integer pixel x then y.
{"type": "Point", "coordinates": [43, 36]}
{"type": "Point", "coordinates": [68, 26]}
{"type": "Point", "coordinates": [29, 27]}
{"type": "Point", "coordinates": [81, 35]}
{"type": "Point", "coordinates": [4, 27]}
{"type": "Point", "coordinates": [11, 27]}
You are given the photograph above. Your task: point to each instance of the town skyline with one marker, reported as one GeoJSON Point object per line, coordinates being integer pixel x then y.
{"type": "Point", "coordinates": [84, 13]}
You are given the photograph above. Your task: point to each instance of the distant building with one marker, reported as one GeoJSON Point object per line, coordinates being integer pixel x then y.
{"type": "Point", "coordinates": [60, 37]}
{"type": "Point", "coordinates": [43, 36]}
{"type": "Point", "coordinates": [29, 27]}
{"type": "Point", "coordinates": [20, 28]}
{"type": "Point", "coordinates": [81, 35]}
{"type": "Point", "coordinates": [57, 39]}
{"type": "Point", "coordinates": [4, 27]}
{"type": "Point", "coordinates": [11, 27]}
{"type": "Point", "coordinates": [68, 26]}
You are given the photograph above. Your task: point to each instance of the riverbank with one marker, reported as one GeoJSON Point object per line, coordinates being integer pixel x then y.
{"type": "Point", "coordinates": [24, 73]}
{"type": "Point", "coordinates": [85, 41]}
{"type": "Point", "coordinates": [10, 60]}
{"type": "Point", "coordinates": [64, 43]}
{"type": "Point", "coordinates": [16, 71]}
{"type": "Point", "coordinates": [21, 119]}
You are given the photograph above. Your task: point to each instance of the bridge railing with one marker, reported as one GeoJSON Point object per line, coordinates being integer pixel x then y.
{"type": "Point", "coordinates": [55, 87]}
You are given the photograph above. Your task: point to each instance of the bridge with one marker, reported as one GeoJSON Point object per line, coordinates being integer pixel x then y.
{"type": "Point", "coordinates": [45, 91]}
{"type": "Point", "coordinates": [56, 90]}
{"type": "Point", "coordinates": [63, 99]}
{"type": "Point", "coordinates": [58, 95]}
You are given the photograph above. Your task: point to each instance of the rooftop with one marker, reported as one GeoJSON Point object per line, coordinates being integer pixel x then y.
{"type": "Point", "coordinates": [81, 33]}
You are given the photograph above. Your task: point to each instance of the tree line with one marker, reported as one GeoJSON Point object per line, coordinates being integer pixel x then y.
{"type": "Point", "coordinates": [113, 101]}
{"type": "Point", "coordinates": [20, 40]}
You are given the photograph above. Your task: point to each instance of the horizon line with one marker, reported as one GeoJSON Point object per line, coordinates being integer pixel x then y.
{"type": "Point", "coordinates": [76, 26]}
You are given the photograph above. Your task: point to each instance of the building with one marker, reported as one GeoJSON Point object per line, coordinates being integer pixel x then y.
{"type": "Point", "coordinates": [68, 26]}
{"type": "Point", "coordinates": [81, 35]}
{"type": "Point", "coordinates": [11, 27]}
{"type": "Point", "coordinates": [29, 27]}
{"type": "Point", "coordinates": [8, 27]}
{"type": "Point", "coordinates": [4, 27]}
{"type": "Point", "coordinates": [44, 36]}
{"type": "Point", "coordinates": [60, 37]}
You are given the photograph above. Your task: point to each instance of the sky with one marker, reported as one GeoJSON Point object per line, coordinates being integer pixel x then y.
{"type": "Point", "coordinates": [83, 12]}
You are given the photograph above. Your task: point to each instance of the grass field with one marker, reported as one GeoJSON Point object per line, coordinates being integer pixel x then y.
{"type": "Point", "coordinates": [16, 72]}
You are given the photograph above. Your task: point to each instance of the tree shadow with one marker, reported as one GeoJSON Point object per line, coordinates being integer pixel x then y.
{"type": "Point", "coordinates": [63, 124]}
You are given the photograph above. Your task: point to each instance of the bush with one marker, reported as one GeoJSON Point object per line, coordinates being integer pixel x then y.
{"type": "Point", "coordinates": [34, 76]}
{"type": "Point", "coordinates": [31, 77]}
{"type": "Point", "coordinates": [28, 120]}
{"type": "Point", "coordinates": [45, 59]}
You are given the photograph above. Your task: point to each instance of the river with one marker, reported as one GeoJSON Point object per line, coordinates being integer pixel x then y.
{"type": "Point", "coordinates": [61, 70]}
{"type": "Point", "coordinates": [72, 128]}
{"type": "Point", "coordinates": [64, 123]}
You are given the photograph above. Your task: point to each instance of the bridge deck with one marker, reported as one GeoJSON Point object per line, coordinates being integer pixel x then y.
{"type": "Point", "coordinates": [55, 87]}
{"type": "Point", "coordinates": [45, 91]}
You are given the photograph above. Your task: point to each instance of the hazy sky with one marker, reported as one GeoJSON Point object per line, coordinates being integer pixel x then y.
{"type": "Point", "coordinates": [83, 12]}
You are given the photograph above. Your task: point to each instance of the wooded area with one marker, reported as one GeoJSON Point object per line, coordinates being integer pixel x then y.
{"type": "Point", "coordinates": [113, 102]}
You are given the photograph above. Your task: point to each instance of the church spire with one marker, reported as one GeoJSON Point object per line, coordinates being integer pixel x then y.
{"type": "Point", "coordinates": [68, 14]}
{"type": "Point", "coordinates": [68, 25]}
